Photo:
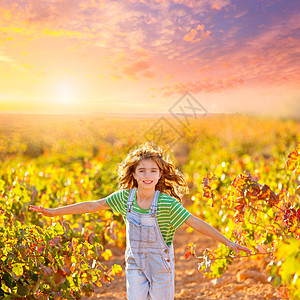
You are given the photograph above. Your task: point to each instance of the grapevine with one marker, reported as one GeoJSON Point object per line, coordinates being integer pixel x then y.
{"type": "Point", "coordinates": [249, 173]}
{"type": "Point", "coordinates": [252, 205]}
{"type": "Point", "coordinates": [37, 262]}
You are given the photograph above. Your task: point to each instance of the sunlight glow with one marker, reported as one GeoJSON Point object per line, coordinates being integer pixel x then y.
{"type": "Point", "coordinates": [65, 93]}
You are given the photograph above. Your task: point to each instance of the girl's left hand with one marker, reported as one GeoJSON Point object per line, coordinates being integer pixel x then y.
{"type": "Point", "coordinates": [237, 248]}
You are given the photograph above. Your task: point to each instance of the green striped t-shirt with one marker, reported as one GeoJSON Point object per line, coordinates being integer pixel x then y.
{"type": "Point", "coordinates": [170, 212]}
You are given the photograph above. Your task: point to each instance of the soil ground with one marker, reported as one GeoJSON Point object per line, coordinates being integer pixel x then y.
{"type": "Point", "coordinates": [244, 279]}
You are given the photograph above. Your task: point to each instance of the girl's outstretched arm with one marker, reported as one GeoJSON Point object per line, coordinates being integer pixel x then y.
{"type": "Point", "coordinates": [206, 229]}
{"type": "Point", "coordinates": [77, 208]}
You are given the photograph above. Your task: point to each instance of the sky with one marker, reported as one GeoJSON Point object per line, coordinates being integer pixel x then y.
{"type": "Point", "coordinates": [96, 56]}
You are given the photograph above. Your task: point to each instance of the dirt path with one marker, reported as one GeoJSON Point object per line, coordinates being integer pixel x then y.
{"type": "Point", "coordinates": [244, 279]}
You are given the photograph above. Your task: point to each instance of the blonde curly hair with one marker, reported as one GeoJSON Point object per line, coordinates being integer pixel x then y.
{"type": "Point", "coordinates": [171, 181]}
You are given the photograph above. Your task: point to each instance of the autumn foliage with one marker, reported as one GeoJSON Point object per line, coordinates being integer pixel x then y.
{"type": "Point", "coordinates": [242, 172]}
{"type": "Point", "coordinates": [269, 222]}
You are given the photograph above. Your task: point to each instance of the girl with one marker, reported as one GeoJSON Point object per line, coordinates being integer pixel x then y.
{"type": "Point", "coordinates": [149, 202]}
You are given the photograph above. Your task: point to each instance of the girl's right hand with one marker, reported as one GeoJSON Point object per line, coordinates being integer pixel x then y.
{"type": "Point", "coordinates": [42, 211]}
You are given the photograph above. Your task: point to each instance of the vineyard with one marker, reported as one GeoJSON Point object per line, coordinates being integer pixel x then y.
{"type": "Point", "coordinates": [243, 175]}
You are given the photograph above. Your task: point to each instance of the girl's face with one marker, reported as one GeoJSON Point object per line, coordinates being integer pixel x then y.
{"type": "Point", "coordinates": [147, 173]}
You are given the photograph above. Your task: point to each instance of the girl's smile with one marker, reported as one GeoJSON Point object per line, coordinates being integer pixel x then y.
{"type": "Point", "coordinates": [147, 181]}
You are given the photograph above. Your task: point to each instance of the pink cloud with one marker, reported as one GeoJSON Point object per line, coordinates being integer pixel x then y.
{"type": "Point", "coordinates": [216, 6]}
{"type": "Point", "coordinates": [206, 85]}
{"type": "Point", "coordinates": [140, 67]}
{"type": "Point", "coordinates": [148, 74]}
{"type": "Point", "coordinates": [198, 34]}
{"type": "Point", "coordinates": [204, 69]}
{"type": "Point", "coordinates": [219, 4]}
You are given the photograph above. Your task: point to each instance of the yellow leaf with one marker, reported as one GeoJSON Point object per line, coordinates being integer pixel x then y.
{"type": "Point", "coordinates": [106, 254]}
{"type": "Point", "coordinates": [116, 269]}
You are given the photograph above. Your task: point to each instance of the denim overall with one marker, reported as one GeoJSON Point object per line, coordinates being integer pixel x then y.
{"type": "Point", "coordinates": [149, 261]}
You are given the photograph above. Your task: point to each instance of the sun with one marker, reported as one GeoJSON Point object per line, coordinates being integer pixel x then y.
{"type": "Point", "coordinates": [65, 93]}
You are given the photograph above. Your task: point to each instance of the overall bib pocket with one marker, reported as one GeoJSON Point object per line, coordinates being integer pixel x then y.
{"type": "Point", "coordinates": [142, 233]}
{"type": "Point", "coordinates": [148, 234]}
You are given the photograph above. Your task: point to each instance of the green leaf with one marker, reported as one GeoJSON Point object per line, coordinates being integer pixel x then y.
{"type": "Point", "coordinates": [85, 267]}
{"type": "Point", "coordinates": [286, 248]}
{"type": "Point", "coordinates": [23, 290]}
{"type": "Point", "coordinates": [18, 269]}
{"type": "Point", "coordinates": [59, 229]}
{"type": "Point", "coordinates": [288, 268]}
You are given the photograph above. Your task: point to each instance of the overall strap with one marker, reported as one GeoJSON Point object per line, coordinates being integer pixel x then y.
{"type": "Point", "coordinates": [130, 199]}
{"type": "Point", "coordinates": [153, 208]}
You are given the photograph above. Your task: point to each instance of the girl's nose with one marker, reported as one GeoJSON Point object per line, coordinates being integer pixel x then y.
{"type": "Point", "coordinates": [148, 174]}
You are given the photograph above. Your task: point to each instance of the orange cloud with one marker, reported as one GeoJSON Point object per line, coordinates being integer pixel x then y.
{"type": "Point", "coordinates": [204, 69]}
{"type": "Point", "coordinates": [216, 6]}
{"type": "Point", "coordinates": [11, 13]}
{"type": "Point", "coordinates": [49, 19]}
{"type": "Point", "coordinates": [92, 4]}
{"type": "Point", "coordinates": [132, 70]}
{"type": "Point", "coordinates": [148, 74]}
{"type": "Point", "coordinates": [198, 34]}
{"type": "Point", "coordinates": [207, 85]}
{"type": "Point", "coordinates": [219, 4]}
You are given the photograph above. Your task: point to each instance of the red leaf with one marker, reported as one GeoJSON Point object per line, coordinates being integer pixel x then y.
{"type": "Point", "coordinates": [187, 255]}
{"type": "Point", "coordinates": [293, 163]}
{"type": "Point", "coordinates": [41, 249]}
{"type": "Point", "coordinates": [240, 207]}
{"type": "Point", "coordinates": [56, 240]}
{"type": "Point", "coordinates": [268, 195]}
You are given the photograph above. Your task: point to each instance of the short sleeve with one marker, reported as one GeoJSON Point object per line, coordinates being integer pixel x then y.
{"type": "Point", "coordinates": [178, 214]}
{"type": "Point", "coordinates": [117, 201]}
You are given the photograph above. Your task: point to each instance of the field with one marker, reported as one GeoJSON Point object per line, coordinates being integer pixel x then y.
{"type": "Point", "coordinates": [243, 177]}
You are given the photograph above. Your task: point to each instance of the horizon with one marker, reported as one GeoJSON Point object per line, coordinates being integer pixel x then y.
{"type": "Point", "coordinates": [136, 115]}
